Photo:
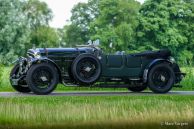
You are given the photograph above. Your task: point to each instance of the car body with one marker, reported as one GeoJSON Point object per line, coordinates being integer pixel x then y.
{"type": "Point", "coordinates": [87, 65]}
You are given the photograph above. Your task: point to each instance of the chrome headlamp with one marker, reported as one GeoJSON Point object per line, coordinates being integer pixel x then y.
{"type": "Point", "coordinates": [34, 53]}
{"type": "Point", "coordinates": [37, 55]}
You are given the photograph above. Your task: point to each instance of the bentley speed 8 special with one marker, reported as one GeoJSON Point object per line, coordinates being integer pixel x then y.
{"type": "Point", "coordinates": [88, 66]}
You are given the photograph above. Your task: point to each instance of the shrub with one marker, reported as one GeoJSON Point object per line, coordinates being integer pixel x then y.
{"type": "Point", "coordinates": [1, 72]}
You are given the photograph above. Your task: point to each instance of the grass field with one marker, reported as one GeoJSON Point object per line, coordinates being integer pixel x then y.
{"type": "Point", "coordinates": [96, 112]}
{"type": "Point", "coordinates": [124, 112]}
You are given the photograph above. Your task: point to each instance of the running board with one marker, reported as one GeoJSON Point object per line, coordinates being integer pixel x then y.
{"type": "Point", "coordinates": [69, 84]}
{"type": "Point", "coordinates": [100, 85]}
{"type": "Point", "coordinates": [111, 85]}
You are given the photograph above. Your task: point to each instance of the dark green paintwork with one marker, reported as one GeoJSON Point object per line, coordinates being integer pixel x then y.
{"type": "Point", "coordinates": [123, 66]}
{"type": "Point", "coordinates": [118, 66]}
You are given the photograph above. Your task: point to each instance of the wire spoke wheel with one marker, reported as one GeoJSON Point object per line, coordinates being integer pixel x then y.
{"type": "Point", "coordinates": [161, 78]}
{"type": "Point", "coordinates": [86, 69]}
{"type": "Point", "coordinates": [42, 78]}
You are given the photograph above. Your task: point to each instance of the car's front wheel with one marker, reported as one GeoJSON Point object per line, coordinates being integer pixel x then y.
{"type": "Point", "coordinates": [42, 78]}
{"type": "Point", "coordinates": [22, 85]}
{"type": "Point", "coordinates": [161, 78]}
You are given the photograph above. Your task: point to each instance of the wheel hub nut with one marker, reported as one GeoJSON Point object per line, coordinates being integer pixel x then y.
{"type": "Point", "coordinates": [88, 69]}
{"type": "Point", "coordinates": [163, 78]}
{"type": "Point", "coordinates": [43, 78]}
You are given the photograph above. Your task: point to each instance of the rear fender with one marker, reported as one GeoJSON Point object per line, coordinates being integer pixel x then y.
{"type": "Point", "coordinates": [148, 68]}
{"type": "Point", "coordinates": [179, 75]}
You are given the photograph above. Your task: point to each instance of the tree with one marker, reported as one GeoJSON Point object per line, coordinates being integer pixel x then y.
{"type": "Point", "coordinates": [45, 36]}
{"type": "Point", "coordinates": [108, 20]}
{"type": "Point", "coordinates": [167, 24]}
{"type": "Point", "coordinates": [116, 23]}
{"type": "Point", "coordinates": [38, 13]}
{"type": "Point", "coordinates": [14, 34]}
{"type": "Point", "coordinates": [24, 23]}
{"type": "Point", "coordinates": [82, 15]}
{"type": "Point", "coordinates": [72, 35]}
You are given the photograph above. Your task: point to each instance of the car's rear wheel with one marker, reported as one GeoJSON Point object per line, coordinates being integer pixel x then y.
{"type": "Point", "coordinates": [138, 88]}
{"type": "Point", "coordinates": [22, 85]}
{"type": "Point", "coordinates": [86, 69]}
{"type": "Point", "coordinates": [161, 78]}
{"type": "Point", "coordinates": [42, 78]}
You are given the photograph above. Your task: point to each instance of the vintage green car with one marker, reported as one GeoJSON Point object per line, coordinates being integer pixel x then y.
{"type": "Point", "coordinates": [88, 66]}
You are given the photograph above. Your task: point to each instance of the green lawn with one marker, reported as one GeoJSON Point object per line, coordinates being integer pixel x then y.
{"type": "Point", "coordinates": [96, 112]}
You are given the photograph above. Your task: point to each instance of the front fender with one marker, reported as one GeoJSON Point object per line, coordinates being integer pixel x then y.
{"type": "Point", "coordinates": [26, 63]}
{"type": "Point", "coordinates": [148, 68]}
{"type": "Point", "coordinates": [46, 60]}
{"type": "Point", "coordinates": [40, 60]}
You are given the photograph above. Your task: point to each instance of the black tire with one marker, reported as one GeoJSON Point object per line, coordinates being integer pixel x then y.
{"type": "Point", "coordinates": [161, 78]}
{"type": "Point", "coordinates": [86, 69]}
{"type": "Point", "coordinates": [42, 78]}
{"type": "Point", "coordinates": [22, 85]}
{"type": "Point", "coordinates": [138, 88]}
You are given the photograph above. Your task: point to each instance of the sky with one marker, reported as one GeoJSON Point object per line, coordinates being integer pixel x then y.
{"type": "Point", "coordinates": [62, 11]}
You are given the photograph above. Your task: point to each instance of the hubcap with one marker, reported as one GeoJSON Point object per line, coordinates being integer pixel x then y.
{"type": "Point", "coordinates": [42, 78]}
{"type": "Point", "coordinates": [161, 77]}
{"type": "Point", "coordinates": [87, 69]}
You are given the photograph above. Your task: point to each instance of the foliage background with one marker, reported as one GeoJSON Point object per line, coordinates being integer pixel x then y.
{"type": "Point", "coordinates": [128, 25]}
